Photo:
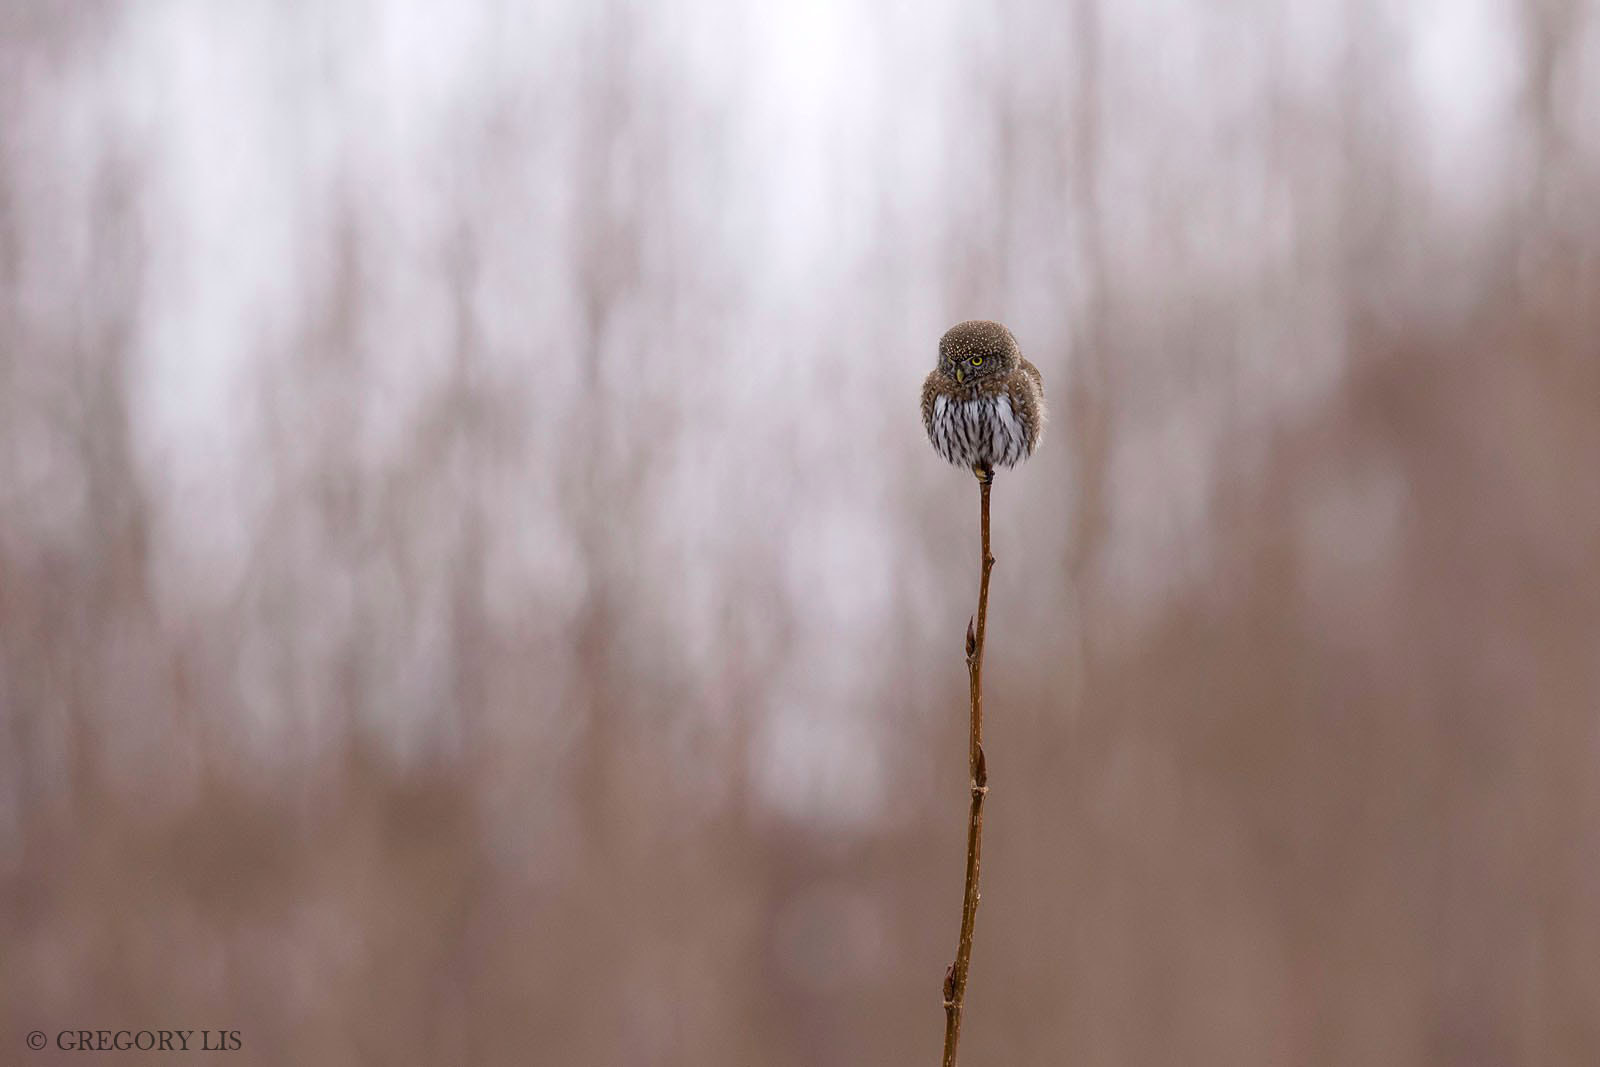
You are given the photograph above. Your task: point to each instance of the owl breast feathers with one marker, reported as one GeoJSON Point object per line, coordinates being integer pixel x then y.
{"type": "Point", "coordinates": [983, 405]}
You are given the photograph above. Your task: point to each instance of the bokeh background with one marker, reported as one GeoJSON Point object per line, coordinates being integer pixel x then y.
{"type": "Point", "coordinates": [474, 588]}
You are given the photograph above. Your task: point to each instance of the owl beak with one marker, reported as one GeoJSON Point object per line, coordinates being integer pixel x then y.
{"type": "Point", "coordinates": [961, 375]}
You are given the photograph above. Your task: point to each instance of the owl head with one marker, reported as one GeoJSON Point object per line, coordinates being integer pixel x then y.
{"type": "Point", "coordinates": [976, 349]}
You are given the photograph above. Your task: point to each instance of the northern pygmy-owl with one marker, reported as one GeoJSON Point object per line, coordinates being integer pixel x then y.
{"type": "Point", "coordinates": [983, 405]}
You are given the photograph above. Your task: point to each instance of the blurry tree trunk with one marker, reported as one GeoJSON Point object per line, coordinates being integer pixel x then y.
{"type": "Point", "coordinates": [1550, 27]}
{"type": "Point", "coordinates": [598, 482]}
{"type": "Point", "coordinates": [1088, 391]}
{"type": "Point", "coordinates": [116, 515]}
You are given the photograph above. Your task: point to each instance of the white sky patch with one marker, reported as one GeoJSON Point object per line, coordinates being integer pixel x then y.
{"type": "Point", "coordinates": [814, 96]}
{"type": "Point", "coordinates": [221, 206]}
{"type": "Point", "coordinates": [1466, 72]}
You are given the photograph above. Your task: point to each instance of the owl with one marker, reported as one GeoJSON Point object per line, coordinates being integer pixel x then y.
{"type": "Point", "coordinates": [983, 405]}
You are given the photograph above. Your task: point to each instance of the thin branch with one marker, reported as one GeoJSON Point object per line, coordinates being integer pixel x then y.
{"type": "Point", "coordinates": [955, 977]}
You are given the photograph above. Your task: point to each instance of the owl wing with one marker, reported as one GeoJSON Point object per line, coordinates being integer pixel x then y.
{"type": "Point", "coordinates": [930, 389]}
{"type": "Point", "coordinates": [1033, 372]}
{"type": "Point", "coordinates": [1026, 390]}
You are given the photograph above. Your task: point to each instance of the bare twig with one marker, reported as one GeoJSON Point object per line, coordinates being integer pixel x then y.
{"type": "Point", "coordinates": [955, 977]}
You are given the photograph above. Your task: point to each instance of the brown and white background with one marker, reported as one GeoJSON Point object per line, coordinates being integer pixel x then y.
{"type": "Point", "coordinates": [474, 589]}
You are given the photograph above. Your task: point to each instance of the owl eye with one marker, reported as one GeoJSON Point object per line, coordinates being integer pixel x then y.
{"type": "Point", "coordinates": [977, 361]}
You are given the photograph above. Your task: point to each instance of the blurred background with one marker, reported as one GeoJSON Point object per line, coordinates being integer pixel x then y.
{"type": "Point", "coordinates": [474, 587]}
